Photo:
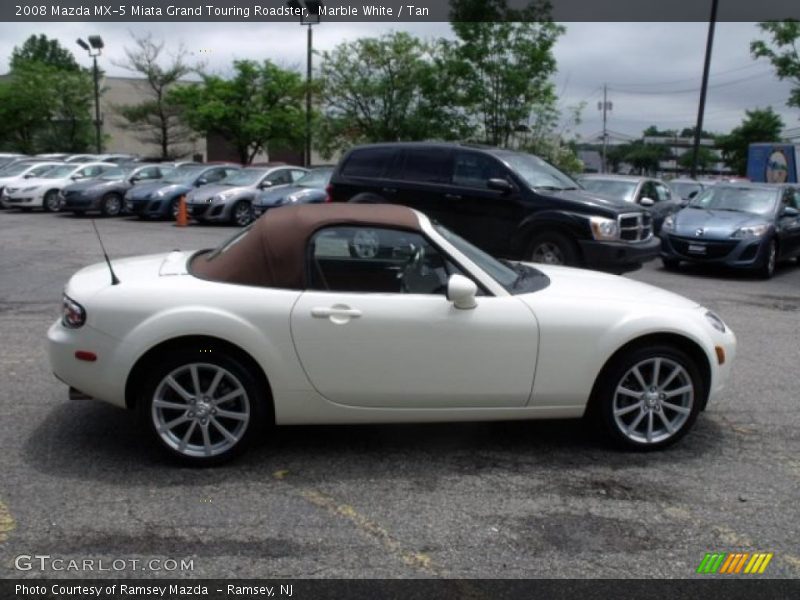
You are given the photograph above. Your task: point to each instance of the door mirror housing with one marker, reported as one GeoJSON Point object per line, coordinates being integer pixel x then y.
{"type": "Point", "coordinates": [265, 184]}
{"type": "Point", "coordinates": [790, 211]}
{"type": "Point", "coordinates": [499, 185]}
{"type": "Point", "coordinates": [461, 292]}
{"type": "Point", "coordinates": [647, 201]}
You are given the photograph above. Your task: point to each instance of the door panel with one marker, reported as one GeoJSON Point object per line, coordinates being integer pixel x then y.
{"type": "Point", "coordinates": [415, 350]}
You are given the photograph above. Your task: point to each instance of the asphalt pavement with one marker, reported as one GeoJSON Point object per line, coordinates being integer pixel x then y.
{"type": "Point", "coordinates": [481, 500]}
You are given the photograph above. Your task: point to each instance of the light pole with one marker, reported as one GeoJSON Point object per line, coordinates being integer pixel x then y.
{"type": "Point", "coordinates": [698, 131]}
{"type": "Point", "coordinates": [605, 106]}
{"type": "Point", "coordinates": [95, 48]}
{"type": "Point", "coordinates": [309, 16]}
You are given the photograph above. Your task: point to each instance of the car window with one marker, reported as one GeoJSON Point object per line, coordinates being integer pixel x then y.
{"type": "Point", "coordinates": [368, 162]}
{"type": "Point", "coordinates": [150, 173]}
{"type": "Point", "coordinates": [791, 198]}
{"type": "Point", "coordinates": [471, 169]}
{"type": "Point", "coordinates": [280, 177]}
{"type": "Point", "coordinates": [297, 174]}
{"type": "Point", "coordinates": [428, 165]}
{"type": "Point", "coordinates": [91, 171]}
{"type": "Point", "coordinates": [376, 260]}
{"type": "Point", "coordinates": [648, 190]}
{"type": "Point", "coordinates": [662, 192]}
{"type": "Point", "coordinates": [796, 199]}
{"type": "Point", "coordinates": [215, 175]}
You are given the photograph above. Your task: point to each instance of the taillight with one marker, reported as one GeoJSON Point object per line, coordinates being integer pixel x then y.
{"type": "Point", "coordinates": [329, 192]}
{"type": "Point", "coordinates": [73, 315]}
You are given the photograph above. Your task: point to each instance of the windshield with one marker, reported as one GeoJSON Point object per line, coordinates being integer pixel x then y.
{"type": "Point", "coordinates": [244, 177]}
{"type": "Point", "coordinates": [748, 200]}
{"type": "Point", "coordinates": [684, 188]}
{"type": "Point", "coordinates": [536, 172]}
{"type": "Point", "coordinates": [622, 190]}
{"type": "Point", "coordinates": [183, 175]}
{"type": "Point", "coordinates": [229, 243]}
{"type": "Point", "coordinates": [501, 273]}
{"type": "Point", "coordinates": [318, 178]}
{"type": "Point", "coordinates": [60, 172]}
{"type": "Point", "coordinates": [115, 174]}
{"type": "Point", "coordinates": [14, 170]}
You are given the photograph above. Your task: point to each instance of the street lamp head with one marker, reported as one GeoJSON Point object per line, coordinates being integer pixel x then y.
{"type": "Point", "coordinates": [83, 44]}
{"type": "Point", "coordinates": [96, 41]}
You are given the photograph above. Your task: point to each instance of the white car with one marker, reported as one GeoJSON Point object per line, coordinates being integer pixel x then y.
{"type": "Point", "coordinates": [43, 191]}
{"type": "Point", "coordinates": [342, 313]}
{"type": "Point", "coordinates": [19, 172]}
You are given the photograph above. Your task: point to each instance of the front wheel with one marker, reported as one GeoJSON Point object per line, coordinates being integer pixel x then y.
{"type": "Point", "coordinates": [52, 203]}
{"type": "Point", "coordinates": [241, 213]}
{"type": "Point", "coordinates": [649, 397]}
{"type": "Point", "coordinates": [553, 248]}
{"type": "Point", "coordinates": [203, 409]}
{"type": "Point", "coordinates": [767, 268]}
{"type": "Point", "coordinates": [111, 206]}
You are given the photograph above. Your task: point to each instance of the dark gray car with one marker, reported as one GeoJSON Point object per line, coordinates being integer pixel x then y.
{"type": "Point", "coordinates": [309, 189]}
{"type": "Point", "coordinates": [231, 200]}
{"type": "Point", "coordinates": [106, 193]}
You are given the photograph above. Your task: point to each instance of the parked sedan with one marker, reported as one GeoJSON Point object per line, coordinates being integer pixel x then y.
{"type": "Point", "coordinates": [744, 226]}
{"type": "Point", "coordinates": [161, 199]}
{"type": "Point", "coordinates": [44, 191]}
{"type": "Point", "coordinates": [281, 324]}
{"type": "Point", "coordinates": [106, 193]}
{"type": "Point", "coordinates": [686, 189]}
{"type": "Point", "coordinates": [309, 189]}
{"type": "Point", "coordinates": [653, 194]}
{"type": "Point", "coordinates": [231, 200]}
{"type": "Point", "coordinates": [14, 174]}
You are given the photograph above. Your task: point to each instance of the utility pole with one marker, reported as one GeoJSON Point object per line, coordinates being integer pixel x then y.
{"type": "Point", "coordinates": [307, 157]}
{"type": "Point", "coordinates": [702, 107]}
{"type": "Point", "coordinates": [98, 125]}
{"type": "Point", "coordinates": [605, 106]}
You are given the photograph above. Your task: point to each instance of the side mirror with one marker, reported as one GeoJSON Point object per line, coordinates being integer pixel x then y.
{"type": "Point", "coordinates": [201, 181]}
{"type": "Point", "coordinates": [76, 177]}
{"type": "Point", "coordinates": [693, 194]}
{"type": "Point", "coordinates": [647, 201]}
{"type": "Point", "coordinates": [790, 211]}
{"type": "Point", "coordinates": [499, 185]}
{"type": "Point", "coordinates": [461, 292]}
{"type": "Point", "coordinates": [265, 184]}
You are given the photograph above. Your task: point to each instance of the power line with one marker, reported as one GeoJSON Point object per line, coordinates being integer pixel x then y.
{"type": "Point", "coordinates": [726, 71]}
{"type": "Point", "coordinates": [687, 90]}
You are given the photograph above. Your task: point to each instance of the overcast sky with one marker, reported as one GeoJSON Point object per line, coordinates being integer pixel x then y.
{"type": "Point", "coordinates": [653, 70]}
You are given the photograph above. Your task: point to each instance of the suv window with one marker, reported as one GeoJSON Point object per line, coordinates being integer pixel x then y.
{"type": "Point", "coordinates": [376, 260]}
{"type": "Point", "coordinates": [429, 165]}
{"type": "Point", "coordinates": [474, 170]}
{"type": "Point", "coordinates": [662, 192]}
{"type": "Point", "coordinates": [369, 162]}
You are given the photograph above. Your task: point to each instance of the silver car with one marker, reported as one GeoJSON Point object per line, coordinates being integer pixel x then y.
{"type": "Point", "coordinates": [231, 200]}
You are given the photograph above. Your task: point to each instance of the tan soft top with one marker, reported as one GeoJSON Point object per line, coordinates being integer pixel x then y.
{"type": "Point", "coordinates": [273, 252]}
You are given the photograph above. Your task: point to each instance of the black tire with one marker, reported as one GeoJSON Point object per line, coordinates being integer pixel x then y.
{"type": "Point", "coordinates": [767, 267]}
{"type": "Point", "coordinates": [254, 401]}
{"type": "Point", "coordinates": [605, 398]}
{"type": "Point", "coordinates": [241, 213]}
{"type": "Point", "coordinates": [78, 213]}
{"type": "Point", "coordinates": [111, 205]}
{"type": "Point", "coordinates": [172, 210]}
{"type": "Point", "coordinates": [553, 248]}
{"type": "Point", "coordinates": [51, 201]}
{"type": "Point", "coordinates": [671, 264]}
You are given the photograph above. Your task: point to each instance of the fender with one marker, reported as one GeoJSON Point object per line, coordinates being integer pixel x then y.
{"type": "Point", "coordinates": [574, 224]}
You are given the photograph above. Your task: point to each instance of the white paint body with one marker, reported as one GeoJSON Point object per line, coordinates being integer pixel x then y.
{"type": "Point", "coordinates": [406, 358]}
{"type": "Point", "coordinates": [30, 193]}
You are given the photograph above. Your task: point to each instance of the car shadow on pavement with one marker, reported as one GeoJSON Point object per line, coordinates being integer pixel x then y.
{"type": "Point", "coordinates": [96, 442]}
{"type": "Point", "coordinates": [700, 271]}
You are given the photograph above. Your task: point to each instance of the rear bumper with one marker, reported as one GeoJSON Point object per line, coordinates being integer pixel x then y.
{"type": "Point", "coordinates": [618, 257]}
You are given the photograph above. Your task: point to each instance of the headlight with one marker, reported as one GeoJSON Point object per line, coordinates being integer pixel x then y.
{"type": "Point", "coordinates": [668, 224]}
{"type": "Point", "coordinates": [73, 315]}
{"type": "Point", "coordinates": [749, 232]}
{"type": "Point", "coordinates": [604, 229]}
{"type": "Point", "coordinates": [715, 321]}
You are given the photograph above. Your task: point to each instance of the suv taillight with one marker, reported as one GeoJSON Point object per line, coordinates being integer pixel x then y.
{"type": "Point", "coordinates": [328, 191]}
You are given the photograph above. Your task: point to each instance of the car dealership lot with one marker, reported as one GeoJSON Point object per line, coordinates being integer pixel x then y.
{"type": "Point", "coordinates": [517, 499]}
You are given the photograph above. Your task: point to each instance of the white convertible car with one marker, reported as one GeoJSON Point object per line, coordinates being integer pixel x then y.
{"type": "Point", "coordinates": [338, 313]}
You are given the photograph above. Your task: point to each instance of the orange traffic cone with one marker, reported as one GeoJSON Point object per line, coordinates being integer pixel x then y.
{"type": "Point", "coordinates": [182, 220]}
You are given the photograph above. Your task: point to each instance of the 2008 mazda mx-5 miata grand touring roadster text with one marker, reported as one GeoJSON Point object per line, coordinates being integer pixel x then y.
{"type": "Point", "coordinates": [374, 314]}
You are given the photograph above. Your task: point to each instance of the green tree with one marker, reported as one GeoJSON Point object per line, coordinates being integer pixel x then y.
{"type": "Point", "coordinates": [781, 50]}
{"type": "Point", "coordinates": [645, 158]}
{"type": "Point", "coordinates": [557, 145]}
{"type": "Point", "coordinates": [759, 125]}
{"type": "Point", "coordinates": [40, 49]}
{"type": "Point", "coordinates": [392, 88]}
{"type": "Point", "coordinates": [706, 159]}
{"type": "Point", "coordinates": [156, 120]}
{"type": "Point", "coordinates": [507, 62]}
{"type": "Point", "coordinates": [654, 131]}
{"type": "Point", "coordinates": [261, 103]}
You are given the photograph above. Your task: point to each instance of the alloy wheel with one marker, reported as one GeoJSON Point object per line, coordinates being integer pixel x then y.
{"type": "Point", "coordinates": [112, 206]}
{"type": "Point", "coordinates": [547, 253]}
{"type": "Point", "coordinates": [52, 203]}
{"type": "Point", "coordinates": [242, 214]}
{"type": "Point", "coordinates": [200, 410]}
{"type": "Point", "coordinates": [653, 400]}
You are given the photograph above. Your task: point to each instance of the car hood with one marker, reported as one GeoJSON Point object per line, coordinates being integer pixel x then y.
{"type": "Point", "coordinates": [88, 281]}
{"type": "Point", "coordinates": [571, 282]}
{"type": "Point", "coordinates": [144, 190]}
{"type": "Point", "coordinates": [280, 195]}
{"type": "Point", "coordinates": [584, 199]}
{"type": "Point", "coordinates": [714, 223]}
{"type": "Point", "coordinates": [206, 192]}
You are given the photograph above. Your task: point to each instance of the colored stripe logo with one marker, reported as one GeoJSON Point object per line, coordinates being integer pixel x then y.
{"type": "Point", "coordinates": [734, 563]}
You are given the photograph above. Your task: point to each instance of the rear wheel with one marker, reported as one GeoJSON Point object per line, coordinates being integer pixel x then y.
{"type": "Point", "coordinates": [111, 205]}
{"type": "Point", "coordinates": [202, 408]}
{"type": "Point", "coordinates": [52, 203]}
{"type": "Point", "coordinates": [649, 397]}
{"type": "Point", "coordinates": [553, 248]}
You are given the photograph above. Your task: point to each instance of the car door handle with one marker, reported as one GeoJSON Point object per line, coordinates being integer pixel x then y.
{"type": "Point", "coordinates": [323, 312]}
{"type": "Point", "coordinates": [387, 190]}
{"type": "Point", "coordinates": [453, 196]}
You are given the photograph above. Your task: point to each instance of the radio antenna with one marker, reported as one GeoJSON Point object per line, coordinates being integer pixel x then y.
{"type": "Point", "coordinates": [114, 280]}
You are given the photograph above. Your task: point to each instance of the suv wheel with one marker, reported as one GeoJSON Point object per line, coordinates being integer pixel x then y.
{"type": "Point", "coordinates": [553, 249]}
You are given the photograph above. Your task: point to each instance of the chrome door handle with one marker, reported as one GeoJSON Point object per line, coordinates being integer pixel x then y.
{"type": "Point", "coordinates": [333, 311]}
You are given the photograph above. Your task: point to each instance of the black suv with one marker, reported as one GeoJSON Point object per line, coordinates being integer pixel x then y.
{"type": "Point", "coordinates": [510, 204]}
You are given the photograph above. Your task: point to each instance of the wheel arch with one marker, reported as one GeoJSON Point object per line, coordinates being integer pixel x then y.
{"type": "Point", "coordinates": [199, 342]}
{"type": "Point", "coordinates": [547, 222]}
{"type": "Point", "coordinates": [686, 344]}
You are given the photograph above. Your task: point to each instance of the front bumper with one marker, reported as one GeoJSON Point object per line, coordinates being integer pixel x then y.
{"type": "Point", "coordinates": [149, 207]}
{"type": "Point", "coordinates": [208, 211]}
{"type": "Point", "coordinates": [25, 200]}
{"type": "Point", "coordinates": [738, 254]}
{"type": "Point", "coordinates": [618, 257]}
